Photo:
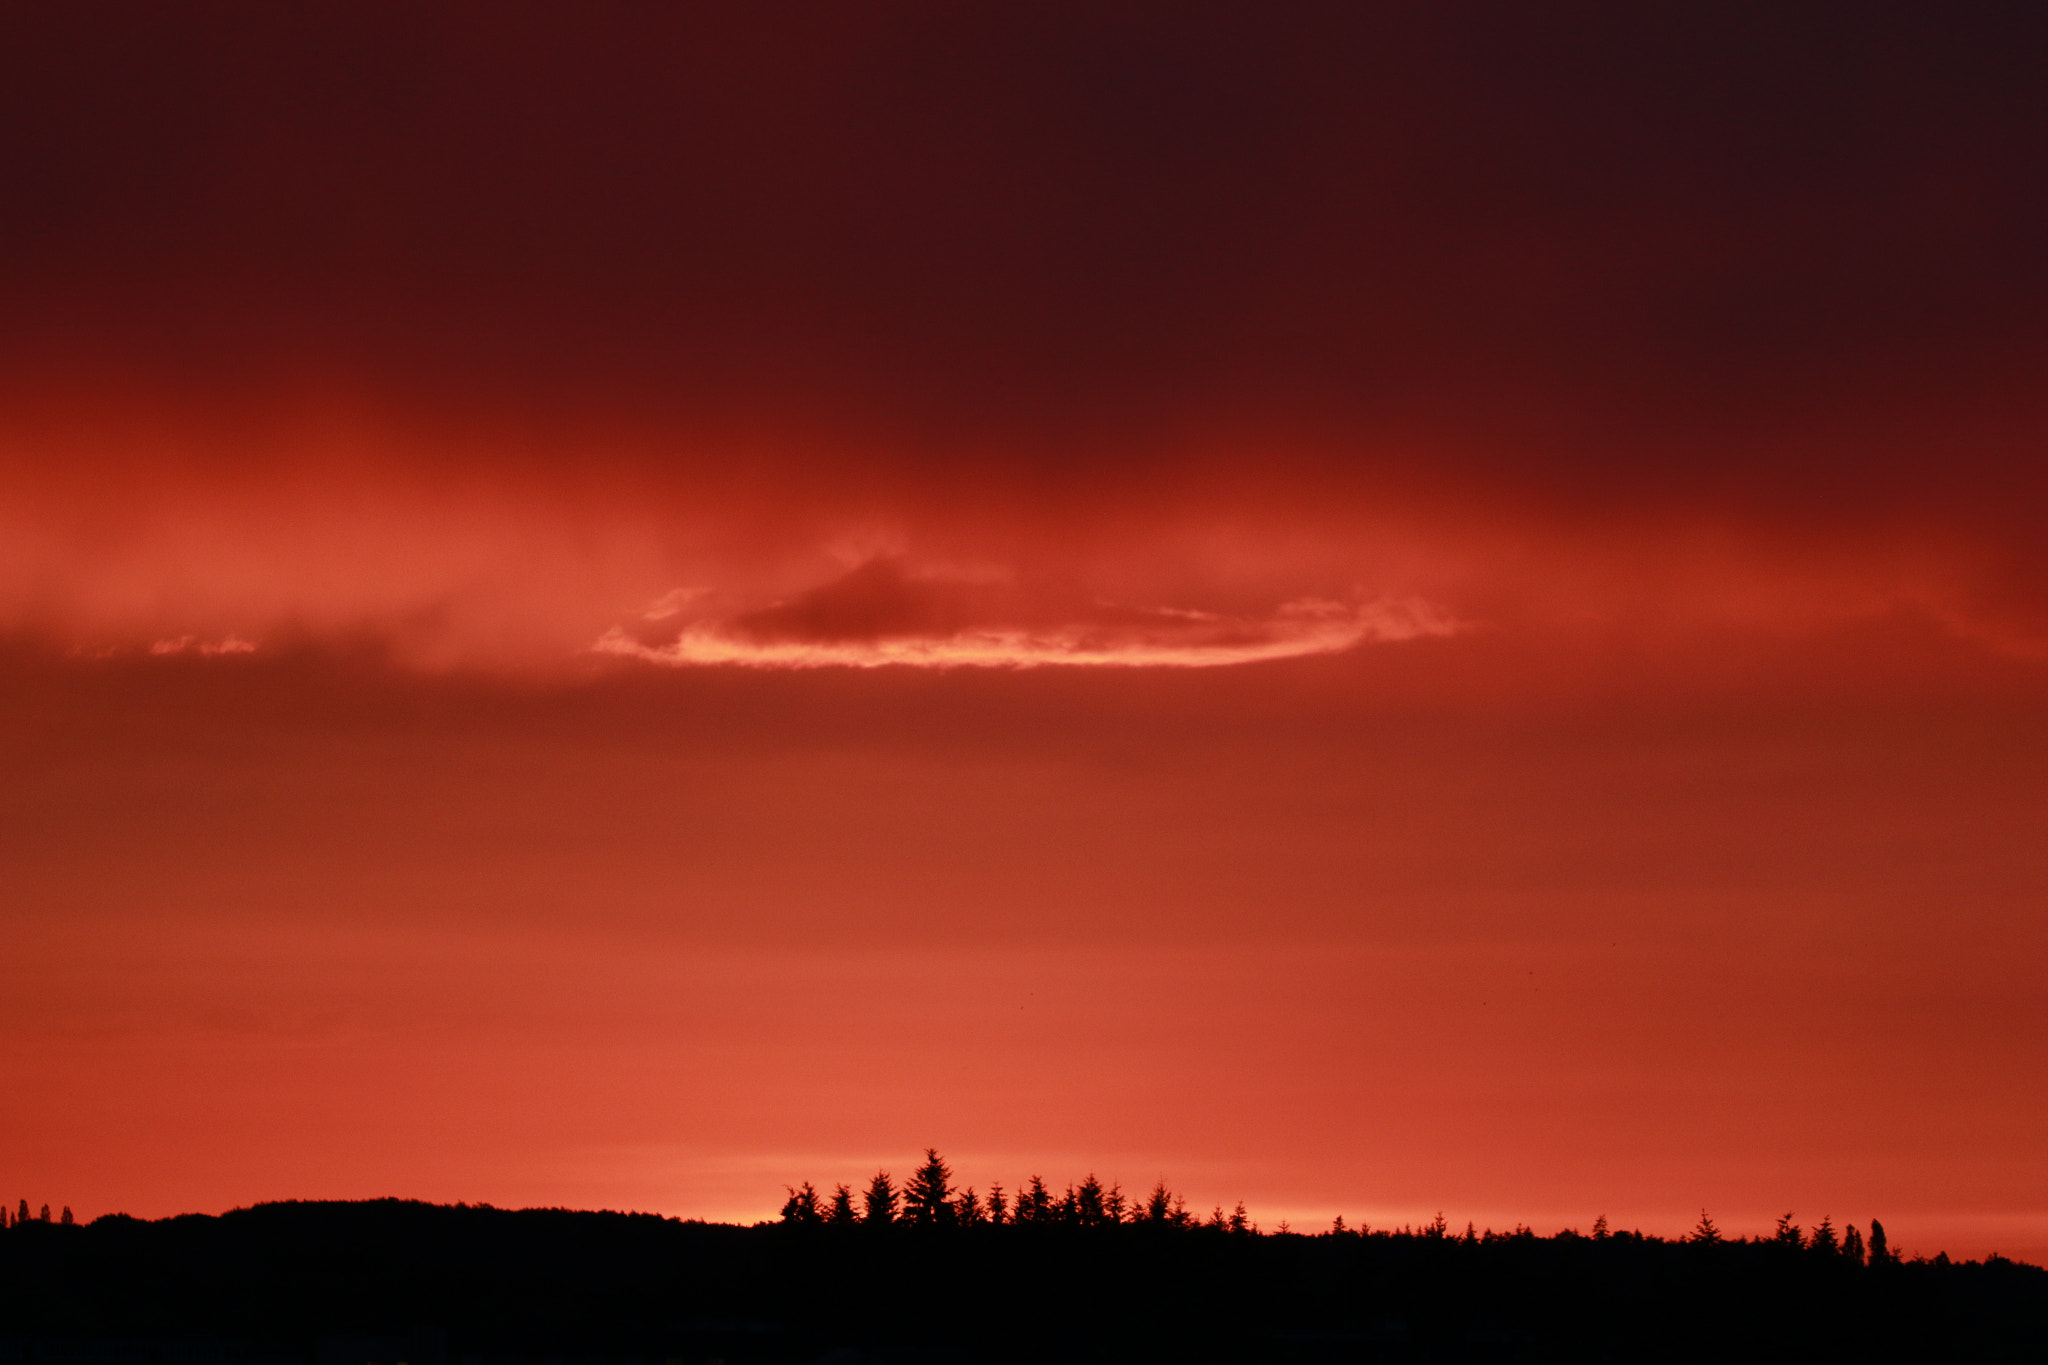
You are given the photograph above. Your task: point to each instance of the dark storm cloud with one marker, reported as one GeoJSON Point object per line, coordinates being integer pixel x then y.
{"type": "Point", "coordinates": [1599, 248]}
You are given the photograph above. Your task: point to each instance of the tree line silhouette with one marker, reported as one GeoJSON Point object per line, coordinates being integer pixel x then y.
{"type": "Point", "coordinates": [1078, 1273]}
{"type": "Point", "coordinates": [929, 1200]}
{"type": "Point", "coordinates": [21, 1215]}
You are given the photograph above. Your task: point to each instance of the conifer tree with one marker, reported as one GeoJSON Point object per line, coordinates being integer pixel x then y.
{"type": "Point", "coordinates": [841, 1214]}
{"type": "Point", "coordinates": [928, 1194]}
{"type": "Point", "coordinates": [1705, 1232]}
{"type": "Point", "coordinates": [1852, 1244]}
{"type": "Point", "coordinates": [1880, 1249]}
{"type": "Point", "coordinates": [1240, 1222]}
{"type": "Point", "coordinates": [879, 1204]}
{"type": "Point", "coordinates": [46, 1213]}
{"type": "Point", "coordinates": [1158, 1205]}
{"type": "Point", "coordinates": [968, 1209]}
{"type": "Point", "coordinates": [1086, 1205]}
{"type": "Point", "coordinates": [21, 1214]}
{"type": "Point", "coordinates": [65, 1217]}
{"type": "Point", "coordinates": [1600, 1228]}
{"type": "Point", "coordinates": [998, 1204]}
{"type": "Point", "coordinates": [1823, 1238]}
{"type": "Point", "coordinates": [1035, 1204]}
{"type": "Point", "coordinates": [802, 1206]}
{"type": "Point", "coordinates": [1789, 1233]}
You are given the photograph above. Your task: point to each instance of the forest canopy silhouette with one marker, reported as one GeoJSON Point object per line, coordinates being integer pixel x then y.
{"type": "Point", "coordinates": [925, 1265]}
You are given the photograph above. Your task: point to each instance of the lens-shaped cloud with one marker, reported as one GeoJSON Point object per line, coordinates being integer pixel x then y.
{"type": "Point", "coordinates": [882, 614]}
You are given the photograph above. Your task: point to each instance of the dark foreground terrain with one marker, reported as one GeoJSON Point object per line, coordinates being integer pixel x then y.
{"type": "Point", "coordinates": [399, 1283]}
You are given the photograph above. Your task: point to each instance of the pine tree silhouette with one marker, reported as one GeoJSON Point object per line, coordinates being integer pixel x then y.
{"type": "Point", "coordinates": [841, 1212]}
{"type": "Point", "coordinates": [1823, 1239]}
{"type": "Point", "coordinates": [802, 1206]}
{"type": "Point", "coordinates": [928, 1194]}
{"type": "Point", "coordinates": [65, 1217]}
{"type": "Point", "coordinates": [998, 1205]}
{"type": "Point", "coordinates": [1852, 1244]}
{"type": "Point", "coordinates": [1880, 1249]}
{"type": "Point", "coordinates": [1705, 1232]}
{"type": "Point", "coordinates": [1789, 1233]}
{"type": "Point", "coordinates": [879, 1204]}
{"type": "Point", "coordinates": [1087, 1205]}
{"type": "Point", "coordinates": [1035, 1205]}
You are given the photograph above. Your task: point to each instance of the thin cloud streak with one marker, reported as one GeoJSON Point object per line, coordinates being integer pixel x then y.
{"type": "Point", "coordinates": [232, 644]}
{"type": "Point", "coordinates": [1160, 639]}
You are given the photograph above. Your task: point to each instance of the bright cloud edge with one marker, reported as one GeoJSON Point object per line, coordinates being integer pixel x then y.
{"type": "Point", "coordinates": [1302, 629]}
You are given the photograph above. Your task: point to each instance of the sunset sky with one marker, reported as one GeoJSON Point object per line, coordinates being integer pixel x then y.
{"type": "Point", "coordinates": [1369, 608]}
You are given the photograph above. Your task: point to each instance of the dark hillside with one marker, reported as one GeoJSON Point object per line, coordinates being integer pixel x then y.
{"type": "Point", "coordinates": [391, 1282]}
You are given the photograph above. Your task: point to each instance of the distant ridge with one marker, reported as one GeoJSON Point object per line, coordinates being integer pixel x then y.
{"type": "Point", "coordinates": [401, 1282]}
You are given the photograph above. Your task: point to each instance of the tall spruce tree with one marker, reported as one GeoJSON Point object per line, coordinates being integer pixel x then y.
{"type": "Point", "coordinates": [1034, 1202]}
{"type": "Point", "coordinates": [878, 1205]}
{"type": "Point", "coordinates": [1086, 1203]}
{"type": "Point", "coordinates": [928, 1194]}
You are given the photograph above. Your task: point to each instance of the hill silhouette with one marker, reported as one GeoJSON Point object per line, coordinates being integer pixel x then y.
{"type": "Point", "coordinates": [391, 1282]}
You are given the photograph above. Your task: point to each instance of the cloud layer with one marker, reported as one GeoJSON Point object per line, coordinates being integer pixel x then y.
{"type": "Point", "coordinates": [880, 614]}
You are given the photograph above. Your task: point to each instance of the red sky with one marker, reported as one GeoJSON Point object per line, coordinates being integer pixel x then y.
{"type": "Point", "coordinates": [1374, 610]}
